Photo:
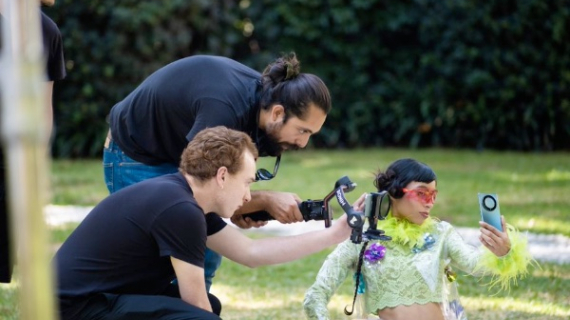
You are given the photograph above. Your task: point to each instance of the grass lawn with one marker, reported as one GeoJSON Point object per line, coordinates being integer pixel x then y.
{"type": "Point", "coordinates": [533, 191]}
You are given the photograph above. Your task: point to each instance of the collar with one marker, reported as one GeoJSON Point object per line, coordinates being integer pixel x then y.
{"type": "Point", "coordinates": [405, 233]}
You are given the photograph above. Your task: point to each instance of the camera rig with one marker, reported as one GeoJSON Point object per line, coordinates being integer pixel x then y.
{"type": "Point", "coordinates": [377, 206]}
{"type": "Point", "coordinates": [314, 209]}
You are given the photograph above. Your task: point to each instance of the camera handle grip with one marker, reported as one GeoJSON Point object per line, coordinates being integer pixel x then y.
{"type": "Point", "coordinates": [259, 216]}
{"type": "Point", "coordinates": [263, 215]}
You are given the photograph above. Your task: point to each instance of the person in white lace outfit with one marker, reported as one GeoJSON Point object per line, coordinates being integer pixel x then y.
{"type": "Point", "coordinates": [402, 278]}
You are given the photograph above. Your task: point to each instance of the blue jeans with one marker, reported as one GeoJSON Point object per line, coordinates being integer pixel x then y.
{"type": "Point", "coordinates": [122, 171]}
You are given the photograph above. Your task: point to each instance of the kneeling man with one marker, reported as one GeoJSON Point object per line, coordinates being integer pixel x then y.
{"type": "Point", "coordinates": [121, 260]}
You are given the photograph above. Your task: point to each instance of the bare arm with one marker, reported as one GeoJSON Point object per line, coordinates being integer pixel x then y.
{"type": "Point", "coordinates": [49, 107]}
{"type": "Point", "coordinates": [283, 206]}
{"type": "Point", "coordinates": [232, 244]}
{"type": "Point", "coordinates": [189, 279]}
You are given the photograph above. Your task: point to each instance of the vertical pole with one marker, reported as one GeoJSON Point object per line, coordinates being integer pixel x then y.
{"type": "Point", "coordinates": [25, 136]}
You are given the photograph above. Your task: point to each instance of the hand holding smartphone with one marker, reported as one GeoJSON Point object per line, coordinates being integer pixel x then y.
{"type": "Point", "coordinates": [489, 207]}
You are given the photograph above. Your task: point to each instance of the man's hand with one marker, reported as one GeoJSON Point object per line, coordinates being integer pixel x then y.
{"type": "Point", "coordinates": [245, 222]}
{"type": "Point", "coordinates": [283, 206]}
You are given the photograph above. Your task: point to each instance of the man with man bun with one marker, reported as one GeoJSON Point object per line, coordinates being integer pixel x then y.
{"type": "Point", "coordinates": [279, 109]}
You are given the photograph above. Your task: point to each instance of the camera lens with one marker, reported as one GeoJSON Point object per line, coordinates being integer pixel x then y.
{"type": "Point", "coordinates": [489, 203]}
{"type": "Point", "coordinates": [312, 210]}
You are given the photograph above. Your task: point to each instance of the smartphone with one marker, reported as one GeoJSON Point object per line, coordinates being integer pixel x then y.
{"type": "Point", "coordinates": [490, 212]}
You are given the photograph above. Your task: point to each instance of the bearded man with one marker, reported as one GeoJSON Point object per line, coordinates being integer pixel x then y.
{"type": "Point", "coordinates": [279, 109]}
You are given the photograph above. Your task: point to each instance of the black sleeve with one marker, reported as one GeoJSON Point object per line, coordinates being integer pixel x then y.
{"type": "Point", "coordinates": [215, 223]}
{"type": "Point", "coordinates": [180, 232]}
{"type": "Point", "coordinates": [211, 113]}
{"type": "Point", "coordinates": [53, 49]}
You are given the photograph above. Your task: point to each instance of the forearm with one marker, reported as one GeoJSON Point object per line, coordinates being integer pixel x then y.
{"type": "Point", "coordinates": [199, 300]}
{"type": "Point", "coordinates": [237, 247]}
{"type": "Point", "coordinates": [189, 279]}
{"type": "Point", "coordinates": [49, 107]}
{"type": "Point", "coordinates": [269, 251]}
{"type": "Point", "coordinates": [259, 201]}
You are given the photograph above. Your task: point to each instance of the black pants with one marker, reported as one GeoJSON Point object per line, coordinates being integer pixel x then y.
{"type": "Point", "coordinates": [5, 261]}
{"type": "Point", "coordinates": [105, 306]}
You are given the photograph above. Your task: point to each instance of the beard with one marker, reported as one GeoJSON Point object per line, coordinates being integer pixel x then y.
{"type": "Point", "coordinates": [268, 142]}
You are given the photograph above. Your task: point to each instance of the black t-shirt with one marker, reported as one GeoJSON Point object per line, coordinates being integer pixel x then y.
{"type": "Point", "coordinates": [124, 244]}
{"type": "Point", "coordinates": [53, 53]}
{"type": "Point", "coordinates": [53, 49]}
{"type": "Point", "coordinates": [154, 123]}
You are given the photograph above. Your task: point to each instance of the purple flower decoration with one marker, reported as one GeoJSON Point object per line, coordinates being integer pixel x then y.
{"type": "Point", "coordinates": [375, 253]}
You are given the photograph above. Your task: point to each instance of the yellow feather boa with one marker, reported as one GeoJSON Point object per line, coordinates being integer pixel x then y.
{"type": "Point", "coordinates": [406, 233]}
{"type": "Point", "coordinates": [506, 269]}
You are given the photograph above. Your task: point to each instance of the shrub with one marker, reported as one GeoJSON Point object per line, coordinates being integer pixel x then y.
{"type": "Point", "coordinates": [451, 73]}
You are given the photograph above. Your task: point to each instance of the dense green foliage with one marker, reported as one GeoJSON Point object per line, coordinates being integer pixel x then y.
{"type": "Point", "coordinates": [110, 46]}
{"type": "Point", "coordinates": [456, 73]}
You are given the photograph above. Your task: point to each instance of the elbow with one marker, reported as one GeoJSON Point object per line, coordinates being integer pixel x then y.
{"type": "Point", "coordinates": [311, 306]}
{"type": "Point", "coordinates": [251, 262]}
{"type": "Point", "coordinates": [253, 258]}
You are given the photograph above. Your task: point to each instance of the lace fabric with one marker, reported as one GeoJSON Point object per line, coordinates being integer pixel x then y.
{"type": "Point", "coordinates": [401, 278]}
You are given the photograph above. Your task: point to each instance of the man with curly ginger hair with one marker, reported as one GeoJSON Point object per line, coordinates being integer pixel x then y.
{"type": "Point", "coordinates": [121, 261]}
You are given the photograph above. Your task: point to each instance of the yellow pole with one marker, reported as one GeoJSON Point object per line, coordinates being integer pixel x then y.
{"type": "Point", "coordinates": [25, 136]}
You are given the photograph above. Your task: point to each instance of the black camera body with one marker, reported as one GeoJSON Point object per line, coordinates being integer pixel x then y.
{"type": "Point", "coordinates": [310, 209]}
{"type": "Point", "coordinates": [313, 209]}
{"type": "Point", "coordinates": [376, 208]}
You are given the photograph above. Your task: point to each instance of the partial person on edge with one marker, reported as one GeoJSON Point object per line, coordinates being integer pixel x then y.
{"type": "Point", "coordinates": [55, 70]}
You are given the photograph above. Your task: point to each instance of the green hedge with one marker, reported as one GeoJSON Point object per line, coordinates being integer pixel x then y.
{"type": "Point", "coordinates": [111, 46]}
{"type": "Point", "coordinates": [485, 74]}
{"type": "Point", "coordinates": [463, 73]}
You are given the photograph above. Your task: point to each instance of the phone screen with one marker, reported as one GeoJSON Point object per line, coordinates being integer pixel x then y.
{"type": "Point", "coordinates": [490, 212]}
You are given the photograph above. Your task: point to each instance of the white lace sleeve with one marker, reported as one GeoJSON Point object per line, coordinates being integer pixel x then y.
{"type": "Point", "coordinates": [338, 265]}
{"type": "Point", "coordinates": [463, 255]}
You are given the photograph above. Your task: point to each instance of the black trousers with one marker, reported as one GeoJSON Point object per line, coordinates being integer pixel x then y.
{"type": "Point", "coordinates": [105, 306]}
{"type": "Point", "coordinates": [5, 261]}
